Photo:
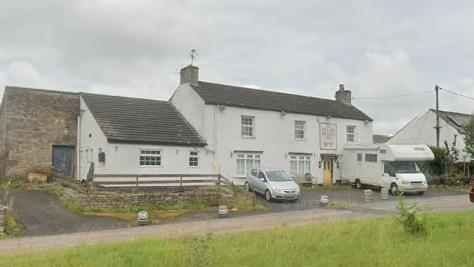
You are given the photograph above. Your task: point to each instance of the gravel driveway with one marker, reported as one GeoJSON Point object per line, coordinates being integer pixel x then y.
{"type": "Point", "coordinates": [42, 213]}
{"type": "Point", "coordinates": [310, 199]}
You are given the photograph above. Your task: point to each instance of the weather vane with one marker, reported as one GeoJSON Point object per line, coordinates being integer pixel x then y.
{"type": "Point", "coordinates": [193, 55]}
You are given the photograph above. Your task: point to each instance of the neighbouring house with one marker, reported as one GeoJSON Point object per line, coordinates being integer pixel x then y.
{"type": "Point", "coordinates": [246, 128]}
{"type": "Point", "coordinates": [38, 132]}
{"type": "Point", "coordinates": [204, 128]}
{"type": "Point", "coordinates": [380, 138]}
{"type": "Point", "coordinates": [422, 130]}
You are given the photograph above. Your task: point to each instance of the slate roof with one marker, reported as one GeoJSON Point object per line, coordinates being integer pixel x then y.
{"type": "Point", "coordinates": [455, 119]}
{"type": "Point", "coordinates": [215, 94]}
{"type": "Point", "coordinates": [380, 138]}
{"type": "Point", "coordinates": [141, 121]}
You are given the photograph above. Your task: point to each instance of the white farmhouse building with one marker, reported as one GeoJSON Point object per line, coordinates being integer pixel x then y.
{"type": "Point", "coordinates": [421, 130]}
{"type": "Point", "coordinates": [246, 128]}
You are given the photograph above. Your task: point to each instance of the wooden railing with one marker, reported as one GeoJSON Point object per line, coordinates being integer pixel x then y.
{"type": "Point", "coordinates": [159, 180]}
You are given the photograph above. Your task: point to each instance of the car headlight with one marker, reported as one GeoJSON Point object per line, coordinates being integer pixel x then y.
{"type": "Point", "coordinates": [276, 189]}
{"type": "Point", "coordinates": [405, 182]}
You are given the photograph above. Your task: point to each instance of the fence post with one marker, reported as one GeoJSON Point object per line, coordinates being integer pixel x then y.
{"type": "Point", "coordinates": [136, 178]}
{"type": "Point", "coordinates": [181, 182]}
{"type": "Point", "coordinates": [218, 179]}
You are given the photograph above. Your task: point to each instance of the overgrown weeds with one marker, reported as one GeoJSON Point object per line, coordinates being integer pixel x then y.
{"type": "Point", "coordinates": [11, 226]}
{"type": "Point", "coordinates": [409, 218]}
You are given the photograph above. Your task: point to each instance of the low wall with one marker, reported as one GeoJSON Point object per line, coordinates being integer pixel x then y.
{"type": "Point", "coordinates": [106, 199]}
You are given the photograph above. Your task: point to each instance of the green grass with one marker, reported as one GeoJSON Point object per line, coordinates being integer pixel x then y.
{"type": "Point", "coordinates": [374, 242]}
{"type": "Point", "coordinates": [240, 202]}
{"type": "Point", "coordinates": [13, 183]}
{"type": "Point", "coordinates": [11, 226]}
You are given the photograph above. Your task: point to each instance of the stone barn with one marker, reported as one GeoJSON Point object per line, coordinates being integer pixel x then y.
{"type": "Point", "coordinates": [38, 132]}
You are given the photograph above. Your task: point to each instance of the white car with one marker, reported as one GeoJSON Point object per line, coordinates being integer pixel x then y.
{"type": "Point", "coordinates": [273, 184]}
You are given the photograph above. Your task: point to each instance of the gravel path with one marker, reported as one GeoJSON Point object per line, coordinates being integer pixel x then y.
{"type": "Point", "coordinates": [244, 223]}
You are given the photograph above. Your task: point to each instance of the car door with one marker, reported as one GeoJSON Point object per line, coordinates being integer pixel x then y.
{"type": "Point", "coordinates": [261, 182]}
{"type": "Point", "coordinates": [252, 178]}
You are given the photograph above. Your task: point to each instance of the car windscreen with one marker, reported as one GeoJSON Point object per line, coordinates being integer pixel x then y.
{"type": "Point", "coordinates": [278, 176]}
{"type": "Point", "coordinates": [404, 166]}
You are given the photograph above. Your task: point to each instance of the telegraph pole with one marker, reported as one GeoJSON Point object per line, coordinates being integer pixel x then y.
{"type": "Point", "coordinates": [437, 115]}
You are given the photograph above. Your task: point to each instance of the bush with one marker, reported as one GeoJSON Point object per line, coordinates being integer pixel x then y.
{"type": "Point", "coordinates": [438, 165]}
{"type": "Point", "coordinates": [409, 218]}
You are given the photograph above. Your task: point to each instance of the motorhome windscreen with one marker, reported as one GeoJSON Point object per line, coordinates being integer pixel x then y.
{"type": "Point", "coordinates": [404, 166]}
{"type": "Point", "coordinates": [278, 176]}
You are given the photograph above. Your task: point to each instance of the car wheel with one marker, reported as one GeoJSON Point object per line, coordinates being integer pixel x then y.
{"type": "Point", "coordinates": [394, 189]}
{"type": "Point", "coordinates": [268, 196]}
{"type": "Point", "coordinates": [247, 186]}
{"type": "Point", "coordinates": [358, 184]}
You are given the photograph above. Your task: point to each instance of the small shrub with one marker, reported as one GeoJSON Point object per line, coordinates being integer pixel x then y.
{"type": "Point", "coordinates": [410, 219]}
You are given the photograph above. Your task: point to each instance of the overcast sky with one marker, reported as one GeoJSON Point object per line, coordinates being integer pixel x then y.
{"type": "Point", "coordinates": [136, 48]}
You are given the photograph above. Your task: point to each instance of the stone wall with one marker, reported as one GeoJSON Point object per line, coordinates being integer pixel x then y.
{"type": "Point", "coordinates": [107, 199]}
{"type": "Point", "coordinates": [31, 122]}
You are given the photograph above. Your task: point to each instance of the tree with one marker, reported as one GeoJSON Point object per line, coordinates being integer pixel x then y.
{"type": "Point", "coordinates": [469, 137]}
{"type": "Point", "coordinates": [452, 155]}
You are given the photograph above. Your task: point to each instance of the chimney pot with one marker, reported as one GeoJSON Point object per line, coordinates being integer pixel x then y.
{"type": "Point", "coordinates": [343, 95]}
{"type": "Point", "coordinates": [189, 74]}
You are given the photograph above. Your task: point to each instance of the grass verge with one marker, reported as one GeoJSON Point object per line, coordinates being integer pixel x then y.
{"type": "Point", "coordinates": [11, 227]}
{"type": "Point", "coordinates": [374, 242]}
{"type": "Point", "coordinates": [240, 202]}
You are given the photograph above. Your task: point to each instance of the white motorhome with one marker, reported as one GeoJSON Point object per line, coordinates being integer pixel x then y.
{"type": "Point", "coordinates": [392, 166]}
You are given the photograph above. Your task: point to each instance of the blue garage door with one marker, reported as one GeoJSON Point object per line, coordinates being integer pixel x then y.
{"type": "Point", "coordinates": [63, 160]}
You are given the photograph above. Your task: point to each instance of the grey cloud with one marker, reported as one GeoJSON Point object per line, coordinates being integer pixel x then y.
{"type": "Point", "coordinates": [136, 48]}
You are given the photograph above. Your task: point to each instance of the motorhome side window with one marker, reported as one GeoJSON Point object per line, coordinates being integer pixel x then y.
{"type": "Point", "coordinates": [370, 157]}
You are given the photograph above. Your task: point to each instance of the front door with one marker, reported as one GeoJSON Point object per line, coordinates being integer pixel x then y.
{"type": "Point", "coordinates": [327, 170]}
{"type": "Point", "coordinates": [63, 161]}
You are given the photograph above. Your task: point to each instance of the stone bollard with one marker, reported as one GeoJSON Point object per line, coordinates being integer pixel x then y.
{"type": "Point", "coordinates": [223, 211]}
{"type": "Point", "coordinates": [324, 201]}
{"type": "Point", "coordinates": [143, 218]}
{"type": "Point", "coordinates": [384, 193]}
{"type": "Point", "coordinates": [368, 195]}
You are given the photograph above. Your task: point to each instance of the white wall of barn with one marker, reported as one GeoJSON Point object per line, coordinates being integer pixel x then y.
{"type": "Point", "coordinates": [421, 131]}
{"type": "Point", "coordinates": [274, 134]}
{"type": "Point", "coordinates": [124, 158]}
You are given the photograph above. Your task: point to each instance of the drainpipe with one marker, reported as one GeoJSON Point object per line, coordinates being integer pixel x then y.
{"type": "Point", "coordinates": [78, 151]}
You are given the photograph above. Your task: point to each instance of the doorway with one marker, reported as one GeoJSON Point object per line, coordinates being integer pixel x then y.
{"type": "Point", "coordinates": [327, 170]}
{"type": "Point", "coordinates": [63, 161]}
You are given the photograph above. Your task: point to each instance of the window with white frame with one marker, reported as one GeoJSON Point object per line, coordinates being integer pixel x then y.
{"type": "Point", "coordinates": [300, 164]}
{"type": "Point", "coordinates": [247, 129]}
{"type": "Point", "coordinates": [359, 157]}
{"type": "Point", "coordinates": [150, 157]}
{"type": "Point", "coordinates": [351, 133]}
{"type": "Point", "coordinates": [246, 162]}
{"type": "Point", "coordinates": [300, 130]}
{"type": "Point", "coordinates": [193, 159]}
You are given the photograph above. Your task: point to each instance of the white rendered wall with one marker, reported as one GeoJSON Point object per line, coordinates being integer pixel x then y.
{"type": "Point", "coordinates": [274, 135]}
{"type": "Point", "coordinates": [421, 131]}
{"type": "Point", "coordinates": [124, 158]}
